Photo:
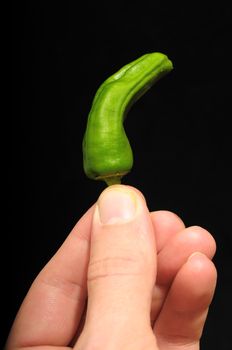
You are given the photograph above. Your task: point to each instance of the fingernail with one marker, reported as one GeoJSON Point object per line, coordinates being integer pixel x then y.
{"type": "Point", "coordinates": [196, 256]}
{"type": "Point", "coordinates": [116, 205]}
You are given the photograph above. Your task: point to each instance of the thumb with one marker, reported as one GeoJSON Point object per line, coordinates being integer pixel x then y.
{"type": "Point", "coordinates": [122, 266]}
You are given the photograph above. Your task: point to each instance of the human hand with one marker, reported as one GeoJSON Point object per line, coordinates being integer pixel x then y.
{"type": "Point", "coordinates": [148, 280]}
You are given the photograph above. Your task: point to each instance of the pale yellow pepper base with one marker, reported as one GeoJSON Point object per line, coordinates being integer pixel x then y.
{"type": "Point", "coordinates": [114, 179]}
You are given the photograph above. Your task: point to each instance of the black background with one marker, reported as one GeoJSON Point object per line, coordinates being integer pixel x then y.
{"type": "Point", "coordinates": [179, 130]}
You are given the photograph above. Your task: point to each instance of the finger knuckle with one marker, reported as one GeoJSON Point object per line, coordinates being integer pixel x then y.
{"type": "Point", "coordinates": [113, 266]}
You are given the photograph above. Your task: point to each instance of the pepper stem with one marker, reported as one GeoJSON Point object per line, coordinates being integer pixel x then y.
{"type": "Point", "coordinates": [114, 180]}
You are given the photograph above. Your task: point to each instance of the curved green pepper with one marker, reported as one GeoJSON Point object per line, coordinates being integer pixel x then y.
{"type": "Point", "coordinates": [106, 150]}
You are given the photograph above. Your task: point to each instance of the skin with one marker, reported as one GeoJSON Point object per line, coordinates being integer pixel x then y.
{"type": "Point", "coordinates": [148, 279]}
{"type": "Point", "coordinates": [107, 152]}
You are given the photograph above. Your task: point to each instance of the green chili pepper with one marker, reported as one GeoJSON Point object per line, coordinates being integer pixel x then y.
{"type": "Point", "coordinates": [106, 150]}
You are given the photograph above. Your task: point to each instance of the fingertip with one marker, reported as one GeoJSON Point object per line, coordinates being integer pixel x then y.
{"type": "Point", "coordinates": [197, 279]}
{"type": "Point", "coordinates": [119, 204]}
{"type": "Point", "coordinates": [116, 204]}
{"type": "Point", "coordinates": [82, 229]}
{"type": "Point", "coordinates": [199, 234]}
{"type": "Point", "coordinates": [182, 318]}
{"type": "Point", "coordinates": [202, 267]}
{"type": "Point", "coordinates": [128, 188]}
{"type": "Point", "coordinates": [168, 216]}
{"type": "Point", "coordinates": [198, 258]}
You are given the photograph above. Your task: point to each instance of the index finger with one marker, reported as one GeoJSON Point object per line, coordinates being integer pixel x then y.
{"type": "Point", "coordinates": [52, 309]}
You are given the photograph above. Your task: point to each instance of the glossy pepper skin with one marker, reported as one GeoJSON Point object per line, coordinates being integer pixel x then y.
{"type": "Point", "coordinates": [107, 153]}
